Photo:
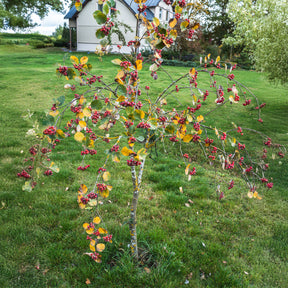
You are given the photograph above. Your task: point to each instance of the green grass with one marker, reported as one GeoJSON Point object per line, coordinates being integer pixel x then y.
{"type": "Point", "coordinates": [236, 242]}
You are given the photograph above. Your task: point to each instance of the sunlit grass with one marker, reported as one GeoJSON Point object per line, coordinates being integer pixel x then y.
{"type": "Point", "coordinates": [236, 242]}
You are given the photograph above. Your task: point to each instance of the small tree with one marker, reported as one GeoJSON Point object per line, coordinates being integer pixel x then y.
{"type": "Point", "coordinates": [136, 119]}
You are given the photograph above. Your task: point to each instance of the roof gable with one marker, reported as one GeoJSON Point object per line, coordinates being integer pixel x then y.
{"type": "Point", "coordinates": [131, 5]}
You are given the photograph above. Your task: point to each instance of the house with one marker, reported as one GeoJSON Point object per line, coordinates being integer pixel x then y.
{"type": "Point", "coordinates": [85, 24]}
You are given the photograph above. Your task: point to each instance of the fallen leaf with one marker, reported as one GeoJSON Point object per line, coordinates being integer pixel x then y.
{"type": "Point", "coordinates": [151, 197]}
{"type": "Point", "coordinates": [147, 270]}
{"type": "Point", "coordinates": [88, 282]}
{"type": "Point", "coordinates": [187, 204]}
{"type": "Point", "coordinates": [190, 201]}
{"type": "Point", "coordinates": [181, 189]}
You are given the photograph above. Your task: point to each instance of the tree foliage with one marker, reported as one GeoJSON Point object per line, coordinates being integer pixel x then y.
{"type": "Point", "coordinates": [262, 26]}
{"type": "Point", "coordinates": [131, 117]}
{"type": "Point", "coordinates": [16, 14]}
{"type": "Point", "coordinates": [217, 24]}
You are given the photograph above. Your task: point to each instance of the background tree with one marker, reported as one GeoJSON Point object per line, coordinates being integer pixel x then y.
{"type": "Point", "coordinates": [217, 24]}
{"type": "Point", "coordinates": [17, 14]}
{"type": "Point", "coordinates": [262, 26]}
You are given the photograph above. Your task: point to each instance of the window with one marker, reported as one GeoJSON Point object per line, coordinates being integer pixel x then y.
{"type": "Point", "coordinates": [160, 13]}
{"type": "Point", "coordinates": [167, 16]}
{"type": "Point", "coordinates": [100, 7]}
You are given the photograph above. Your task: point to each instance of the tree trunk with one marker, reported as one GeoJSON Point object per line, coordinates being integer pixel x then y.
{"type": "Point", "coordinates": [133, 216]}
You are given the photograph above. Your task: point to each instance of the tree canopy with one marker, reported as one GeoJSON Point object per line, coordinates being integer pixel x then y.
{"type": "Point", "coordinates": [217, 22]}
{"type": "Point", "coordinates": [263, 27]}
{"type": "Point", "coordinates": [17, 13]}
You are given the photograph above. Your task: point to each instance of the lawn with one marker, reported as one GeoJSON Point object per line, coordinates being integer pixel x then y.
{"type": "Point", "coordinates": [235, 242]}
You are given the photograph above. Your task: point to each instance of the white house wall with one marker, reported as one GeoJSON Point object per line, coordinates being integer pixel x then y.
{"type": "Point", "coordinates": [87, 26]}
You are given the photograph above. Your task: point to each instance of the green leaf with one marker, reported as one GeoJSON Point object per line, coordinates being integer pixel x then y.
{"type": "Point", "coordinates": [100, 34]}
{"type": "Point", "coordinates": [71, 73]}
{"type": "Point", "coordinates": [184, 25]}
{"type": "Point", "coordinates": [140, 138]}
{"type": "Point", "coordinates": [170, 129]}
{"type": "Point", "coordinates": [96, 104]}
{"type": "Point", "coordinates": [122, 90]}
{"type": "Point", "coordinates": [47, 120]}
{"type": "Point", "coordinates": [60, 100]}
{"type": "Point", "coordinates": [106, 8]}
{"type": "Point", "coordinates": [27, 186]}
{"type": "Point", "coordinates": [100, 17]}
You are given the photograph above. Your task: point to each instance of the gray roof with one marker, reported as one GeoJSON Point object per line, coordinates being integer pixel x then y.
{"type": "Point", "coordinates": [131, 5]}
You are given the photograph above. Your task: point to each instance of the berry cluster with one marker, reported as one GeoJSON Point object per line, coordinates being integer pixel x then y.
{"type": "Point", "coordinates": [241, 146]}
{"type": "Point", "coordinates": [101, 169]}
{"type": "Point", "coordinates": [231, 185]}
{"type": "Point", "coordinates": [83, 168]}
{"type": "Point", "coordinates": [143, 125]}
{"type": "Point", "coordinates": [127, 104]}
{"type": "Point", "coordinates": [195, 138]}
{"type": "Point", "coordinates": [139, 105]}
{"type": "Point", "coordinates": [92, 195]}
{"type": "Point", "coordinates": [142, 9]}
{"type": "Point", "coordinates": [193, 110]}
{"type": "Point", "coordinates": [50, 131]}
{"type": "Point", "coordinates": [247, 102]}
{"type": "Point", "coordinates": [63, 70]}
{"type": "Point", "coordinates": [133, 162]}
{"type": "Point", "coordinates": [193, 172]}
{"type": "Point", "coordinates": [101, 187]}
{"type": "Point", "coordinates": [190, 33]}
{"type": "Point", "coordinates": [33, 151]}
{"type": "Point", "coordinates": [231, 76]}
{"type": "Point", "coordinates": [24, 174]}
{"type": "Point", "coordinates": [115, 148]}
{"type": "Point", "coordinates": [128, 124]}
{"type": "Point", "coordinates": [125, 64]}
{"type": "Point", "coordinates": [48, 172]}
{"type": "Point", "coordinates": [173, 139]}
{"type": "Point", "coordinates": [107, 238]}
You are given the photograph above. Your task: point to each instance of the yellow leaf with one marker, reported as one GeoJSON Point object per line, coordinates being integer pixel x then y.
{"type": "Point", "coordinates": [209, 56]}
{"type": "Point", "coordinates": [217, 59]}
{"type": "Point", "coordinates": [106, 176]}
{"type": "Point", "coordinates": [139, 64]}
{"type": "Point", "coordinates": [109, 187]}
{"type": "Point", "coordinates": [199, 132]}
{"type": "Point", "coordinates": [80, 115]}
{"type": "Point", "coordinates": [82, 99]}
{"type": "Point", "coordinates": [180, 134]}
{"type": "Point", "coordinates": [116, 61]}
{"type": "Point", "coordinates": [120, 99]}
{"type": "Point", "coordinates": [104, 193]}
{"type": "Point", "coordinates": [118, 77]}
{"type": "Point", "coordinates": [173, 34]}
{"type": "Point", "coordinates": [187, 138]}
{"type": "Point", "coordinates": [102, 231]}
{"type": "Point", "coordinates": [85, 226]}
{"type": "Point", "coordinates": [84, 60]}
{"type": "Point", "coordinates": [54, 113]}
{"type": "Point", "coordinates": [192, 72]}
{"type": "Point", "coordinates": [100, 247]}
{"type": "Point", "coordinates": [83, 189]}
{"type": "Point", "coordinates": [91, 143]}
{"type": "Point", "coordinates": [60, 133]}
{"type": "Point", "coordinates": [116, 159]}
{"type": "Point", "coordinates": [172, 22]}
{"type": "Point", "coordinates": [90, 231]}
{"type": "Point", "coordinates": [79, 136]}
{"type": "Point", "coordinates": [81, 205]}
{"type": "Point", "coordinates": [200, 118]}
{"type": "Point", "coordinates": [187, 169]}
{"type": "Point", "coordinates": [92, 248]}
{"type": "Point", "coordinates": [96, 220]}
{"type": "Point", "coordinates": [86, 112]}
{"type": "Point", "coordinates": [141, 113]}
{"type": "Point", "coordinates": [156, 21]}
{"type": "Point", "coordinates": [92, 203]}
{"type": "Point", "coordinates": [127, 152]}
{"type": "Point", "coordinates": [74, 59]}
{"type": "Point", "coordinates": [82, 124]}
{"type": "Point", "coordinates": [92, 242]}
{"type": "Point", "coordinates": [38, 171]}
{"type": "Point", "coordinates": [216, 132]}
{"type": "Point", "coordinates": [189, 118]}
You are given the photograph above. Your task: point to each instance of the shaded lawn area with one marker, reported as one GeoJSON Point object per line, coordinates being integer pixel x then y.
{"type": "Point", "coordinates": [236, 242]}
